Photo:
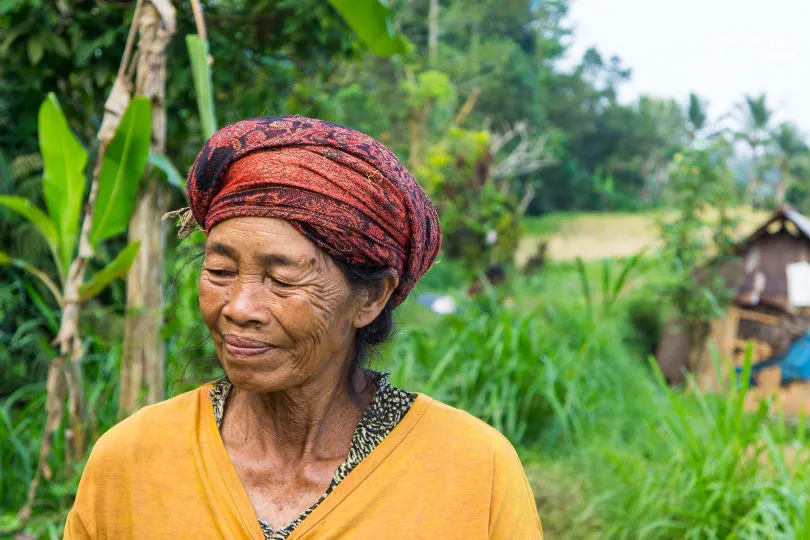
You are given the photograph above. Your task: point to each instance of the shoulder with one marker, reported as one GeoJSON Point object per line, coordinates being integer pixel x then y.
{"type": "Point", "coordinates": [455, 430]}
{"type": "Point", "coordinates": [458, 423]}
{"type": "Point", "coordinates": [155, 425]}
{"type": "Point", "coordinates": [463, 446]}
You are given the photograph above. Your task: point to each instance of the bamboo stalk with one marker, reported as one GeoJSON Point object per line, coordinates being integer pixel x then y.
{"type": "Point", "coordinates": [199, 20]}
{"type": "Point", "coordinates": [143, 356]}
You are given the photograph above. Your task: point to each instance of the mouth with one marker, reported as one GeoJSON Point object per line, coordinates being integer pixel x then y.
{"type": "Point", "coordinates": [244, 346]}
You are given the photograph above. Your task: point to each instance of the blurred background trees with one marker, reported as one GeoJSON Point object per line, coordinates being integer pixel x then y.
{"type": "Point", "coordinates": [484, 102]}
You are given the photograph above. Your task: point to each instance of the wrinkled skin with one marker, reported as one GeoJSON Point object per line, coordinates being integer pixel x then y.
{"type": "Point", "coordinates": [302, 305]}
{"type": "Point", "coordinates": [290, 419]}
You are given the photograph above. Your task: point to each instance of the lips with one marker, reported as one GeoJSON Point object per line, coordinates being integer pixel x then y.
{"type": "Point", "coordinates": [244, 346]}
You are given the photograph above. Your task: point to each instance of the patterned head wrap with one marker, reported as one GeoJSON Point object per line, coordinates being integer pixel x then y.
{"type": "Point", "coordinates": [342, 189]}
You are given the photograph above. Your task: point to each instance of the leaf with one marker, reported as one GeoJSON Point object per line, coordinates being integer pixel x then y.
{"type": "Point", "coordinates": [6, 260]}
{"type": "Point", "coordinates": [170, 173]}
{"type": "Point", "coordinates": [121, 171]}
{"type": "Point", "coordinates": [39, 219]}
{"type": "Point", "coordinates": [373, 22]}
{"type": "Point", "coordinates": [117, 268]}
{"type": "Point", "coordinates": [585, 284]}
{"type": "Point", "coordinates": [13, 34]}
{"type": "Point", "coordinates": [8, 5]}
{"type": "Point", "coordinates": [63, 178]}
{"type": "Point", "coordinates": [60, 46]}
{"type": "Point", "coordinates": [201, 69]}
{"type": "Point", "coordinates": [35, 50]}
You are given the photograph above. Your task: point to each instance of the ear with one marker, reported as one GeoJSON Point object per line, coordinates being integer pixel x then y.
{"type": "Point", "coordinates": [372, 301]}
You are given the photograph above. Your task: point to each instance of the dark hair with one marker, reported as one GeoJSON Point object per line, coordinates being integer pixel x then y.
{"type": "Point", "coordinates": [380, 330]}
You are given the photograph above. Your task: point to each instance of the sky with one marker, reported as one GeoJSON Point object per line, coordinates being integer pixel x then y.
{"type": "Point", "coordinates": [720, 49]}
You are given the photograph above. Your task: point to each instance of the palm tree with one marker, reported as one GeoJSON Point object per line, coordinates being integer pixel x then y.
{"type": "Point", "coordinates": [755, 130]}
{"type": "Point", "coordinates": [696, 117]}
{"type": "Point", "coordinates": [790, 156]}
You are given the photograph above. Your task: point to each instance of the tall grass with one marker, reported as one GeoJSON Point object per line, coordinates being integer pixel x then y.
{"type": "Point", "coordinates": [22, 415]}
{"type": "Point", "coordinates": [705, 469]}
{"type": "Point", "coordinates": [538, 376]}
{"type": "Point", "coordinates": [645, 461]}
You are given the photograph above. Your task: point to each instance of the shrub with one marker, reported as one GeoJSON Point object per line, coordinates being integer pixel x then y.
{"type": "Point", "coordinates": [645, 317]}
{"type": "Point", "coordinates": [539, 376]}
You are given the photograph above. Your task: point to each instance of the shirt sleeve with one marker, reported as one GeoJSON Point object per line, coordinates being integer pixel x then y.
{"type": "Point", "coordinates": [513, 510]}
{"type": "Point", "coordinates": [100, 470]}
{"type": "Point", "coordinates": [75, 529]}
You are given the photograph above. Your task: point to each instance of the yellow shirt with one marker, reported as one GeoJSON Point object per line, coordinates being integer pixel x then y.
{"type": "Point", "coordinates": [441, 473]}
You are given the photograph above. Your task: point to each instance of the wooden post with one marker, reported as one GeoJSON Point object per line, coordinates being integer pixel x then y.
{"type": "Point", "coordinates": [143, 360]}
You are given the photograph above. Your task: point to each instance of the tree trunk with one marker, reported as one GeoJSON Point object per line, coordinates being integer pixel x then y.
{"type": "Point", "coordinates": [753, 182]}
{"type": "Point", "coordinates": [143, 361]}
{"type": "Point", "coordinates": [433, 32]}
{"type": "Point", "coordinates": [780, 194]}
{"type": "Point", "coordinates": [417, 120]}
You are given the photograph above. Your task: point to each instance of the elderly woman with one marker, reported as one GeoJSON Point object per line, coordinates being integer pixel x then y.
{"type": "Point", "coordinates": [315, 234]}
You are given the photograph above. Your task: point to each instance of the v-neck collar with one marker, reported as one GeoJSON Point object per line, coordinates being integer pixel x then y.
{"type": "Point", "coordinates": [388, 406]}
{"type": "Point", "coordinates": [211, 440]}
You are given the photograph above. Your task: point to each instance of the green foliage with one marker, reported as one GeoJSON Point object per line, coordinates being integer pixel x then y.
{"type": "Point", "coordinates": [701, 187]}
{"type": "Point", "coordinates": [5, 260]}
{"type": "Point", "coordinates": [610, 289]}
{"type": "Point", "coordinates": [471, 205]}
{"type": "Point", "coordinates": [696, 115]}
{"type": "Point", "coordinates": [542, 375]}
{"type": "Point", "coordinates": [121, 171]}
{"type": "Point", "coordinates": [21, 425]}
{"type": "Point", "coordinates": [646, 320]}
{"type": "Point", "coordinates": [64, 159]}
{"type": "Point", "coordinates": [118, 267]}
{"type": "Point", "coordinates": [63, 179]}
{"type": "Point", "coordinates": [373, 22]}
{"type": "Point", "coordinates": [705, 469]}
{"type": "Point", "coordinates": [37, 217]}
{"type": "Point", "coordinates": [198, 54]}
{"type": "Point", "coordinates": [168, 171]}
{"type": "Point", "coordinates": [429, 87]}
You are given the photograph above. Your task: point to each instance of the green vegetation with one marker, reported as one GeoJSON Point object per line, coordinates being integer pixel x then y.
{"type": "Point", "coordinates": [515, 149]}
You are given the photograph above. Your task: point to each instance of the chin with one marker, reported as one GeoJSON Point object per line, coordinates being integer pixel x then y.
{"type": "Point", "coordinates": [260, 375]}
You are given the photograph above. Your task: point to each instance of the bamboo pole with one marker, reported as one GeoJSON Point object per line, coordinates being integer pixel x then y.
{"type": "Point", "coordinates": [143, 359]}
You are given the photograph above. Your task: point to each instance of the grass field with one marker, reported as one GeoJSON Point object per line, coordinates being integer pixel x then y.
{"type": "Point", "coordinates": [595, 236]}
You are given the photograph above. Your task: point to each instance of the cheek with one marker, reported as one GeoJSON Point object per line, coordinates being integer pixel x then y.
{"type": "Point", "coordinates": [301, 318]}
{"type": "Point", "coordinates": [314, 319]}
{"type": "Point", "coordinates": [211, 300]}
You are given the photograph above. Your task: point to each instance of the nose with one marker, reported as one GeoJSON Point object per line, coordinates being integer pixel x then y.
{"type": "Point", "coordinates": [247, 304]}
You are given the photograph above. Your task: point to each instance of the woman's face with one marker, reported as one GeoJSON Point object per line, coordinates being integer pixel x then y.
{"type": "Point", "coordinates": [279, 310]}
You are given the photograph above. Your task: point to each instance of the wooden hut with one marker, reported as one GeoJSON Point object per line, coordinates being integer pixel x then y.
{"type": "Point", "coordinates": [770, 308]}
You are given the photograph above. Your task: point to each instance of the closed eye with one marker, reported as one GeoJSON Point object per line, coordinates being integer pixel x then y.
{"type": "Point", "coordinates": [219, 273]}
{"type": "Point", "coordinates": [280, 283]}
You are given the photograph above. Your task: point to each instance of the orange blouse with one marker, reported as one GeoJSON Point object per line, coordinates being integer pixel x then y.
{"type": "Point", "coordinates": [441, 473]}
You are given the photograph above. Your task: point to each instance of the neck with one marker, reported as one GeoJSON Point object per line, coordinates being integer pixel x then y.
{"type": "Point", "coordinates": [317, 420]}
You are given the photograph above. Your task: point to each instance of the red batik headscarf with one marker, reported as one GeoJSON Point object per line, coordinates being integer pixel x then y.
{"type": "Point", "coordinates": [342, 189]}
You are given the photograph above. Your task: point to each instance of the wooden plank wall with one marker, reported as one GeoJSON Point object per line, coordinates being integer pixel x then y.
{"type": "Point", "coordinates": [791, 400]}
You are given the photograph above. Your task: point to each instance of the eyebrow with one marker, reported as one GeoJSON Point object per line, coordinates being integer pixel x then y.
{"type": "Point", "coordinates": [267, 259]}
{"type": "Point", "coordinates": [221, 249]}
{"type": "Point", "coordinates": [274, 259]}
